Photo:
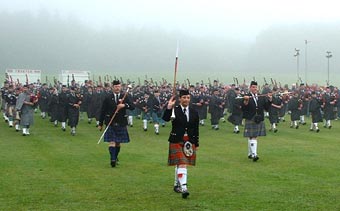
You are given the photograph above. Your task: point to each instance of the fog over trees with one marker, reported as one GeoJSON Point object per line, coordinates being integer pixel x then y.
{"type": "Point", "coordinates": [51, 43]}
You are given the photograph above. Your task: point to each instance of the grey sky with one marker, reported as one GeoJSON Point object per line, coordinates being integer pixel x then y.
{"type": "Point", "coordinates": [242, 19]}
{"type": "Point", "coordinates": [244, 38]}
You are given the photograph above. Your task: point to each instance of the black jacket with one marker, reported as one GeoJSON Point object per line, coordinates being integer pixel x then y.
{"type": "Point", "coordinates": [180, 124]}
{"type": "Point", "coordinates": [250, 110]}
{"type": "Point", "coordinates": [109, 107]}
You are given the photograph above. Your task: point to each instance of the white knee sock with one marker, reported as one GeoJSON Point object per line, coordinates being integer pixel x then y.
{"type": "Point", "coordinates": [130, 120]}
{"type": "Point", "coordinates": [63, 124]}
{"type": "Point", "coordinates": [182, 178]}
{"type": "Point", "coordinates": [176, 178]}
{"type": "Point", "coordinates": [145, 123]}
{"type": "Point", "coordinates": [253, 147]}
{"type": "Point", "coordinates": [302, 119]}
{"type": "Point", "coordinates": [157, 128]}
{"type": "Point", "coordinates": [249, 149]}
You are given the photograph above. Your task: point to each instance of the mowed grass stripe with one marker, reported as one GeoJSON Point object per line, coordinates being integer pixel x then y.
{"type": "Point", "coordinates": [52, 170]}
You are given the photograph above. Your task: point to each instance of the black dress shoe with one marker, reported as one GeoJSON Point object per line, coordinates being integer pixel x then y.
{"type": "Point", "coordinates": [329, 127]}
{"type": "Point", "coordinates": [255, 158]}
{"type": "Point", "coordinates": [250, 157]}
{"type": "Point", "coordinates": [317, 130]}
{"type": "Point", "coordinates": [113, 163]}
{"type": "Point", "coordinates": [177, 189]}
{"type": "Point", "coordinates": [185, 194]}
{"type": "Point", "coordinates": [275, 130]}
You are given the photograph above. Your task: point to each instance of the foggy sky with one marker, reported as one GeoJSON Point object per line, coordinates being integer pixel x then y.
{"type": "Point", "coordinates": [217, 40]}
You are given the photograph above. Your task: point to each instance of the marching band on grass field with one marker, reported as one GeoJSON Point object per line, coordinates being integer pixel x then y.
{"type": "Point", "coordinates": [117, 105]}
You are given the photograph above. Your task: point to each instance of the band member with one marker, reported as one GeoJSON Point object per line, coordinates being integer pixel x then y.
{"type": "Point", "coordinates": [183, 139]}
{"type": "Point", "coordinates": [62, 108]}
{"type": "Point", "coordinates": [329, 102]}
{"type": "Point", "coordinates": [315, 110]}
{"type": "Point", "coordinates": [26, 103]}
{"type": "Point", "coordinates": [294, 106]}
{"type": "Point", "coordinates": [202, 105]}
{"type": "Point", "coordinates": [253, 107]}
{"type": "Point", "coordinates": [4, 92]}
{"type": "Point", "coordinates": [11, 101]}
{"type": "Point", "coordinates": [73, 105]}
{"type": "Point", "coordinates": [216, 107]}
{"type": "Point", "coordinates": [235, 108]}
{"type": "Point", "coordinates": [43, 100]}
{"type": "Point", "coordinates": [274, 110]}
{"type": "Point", "coordinates": [303, 96]}
{"type": "Point", "coordinates": [115, 104]}
{"type": "Point", "coordinates": [156, 111]}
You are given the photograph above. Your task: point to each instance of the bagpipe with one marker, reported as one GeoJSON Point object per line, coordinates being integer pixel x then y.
{"type": "Point", "coordinates": [34, 98]}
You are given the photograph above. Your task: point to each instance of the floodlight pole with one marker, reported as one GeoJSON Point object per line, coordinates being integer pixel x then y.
{"type": "Point", "coordinates": [328, 56]}
{"type": "Point", "coordinates": [297, 54]}
{"type": "Point", "coordinates": [306, 61]}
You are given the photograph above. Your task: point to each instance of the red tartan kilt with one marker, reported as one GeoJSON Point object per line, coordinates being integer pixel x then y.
{"type": "Point", "coordinates": [177, 157]}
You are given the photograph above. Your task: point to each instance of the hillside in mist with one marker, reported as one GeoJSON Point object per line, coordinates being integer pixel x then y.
{"type": "Point", "coordinates": [50, 43]}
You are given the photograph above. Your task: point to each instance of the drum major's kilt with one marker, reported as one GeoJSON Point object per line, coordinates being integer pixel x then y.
{"type": "Point", "coordinates": [117, 134]}
{"type": "Point", "coordinates": [177, 157]}
{"type": "Point", "coordinates": [252, 129]}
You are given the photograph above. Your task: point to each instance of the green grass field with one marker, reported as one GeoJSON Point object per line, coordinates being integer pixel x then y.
{"type": "Point", "coordinates": [52, 170]}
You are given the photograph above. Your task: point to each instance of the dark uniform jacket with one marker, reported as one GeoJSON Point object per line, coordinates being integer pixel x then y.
{"type": "Point", "coordinates": [250, 110]}
{"type": "Point", "coordinates": [180, 125]}
{"type": "Point", "coordinates": [109, 107]}
{"type": "Point", "coordinates": [315, 109]}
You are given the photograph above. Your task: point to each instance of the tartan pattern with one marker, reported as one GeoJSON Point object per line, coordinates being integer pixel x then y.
{"type": "Point", "coordinates": [251, 129]}
{"type": "Point", "coordinates": [177, 157]}
{"type": "Point", "coordinates": [117, 134]}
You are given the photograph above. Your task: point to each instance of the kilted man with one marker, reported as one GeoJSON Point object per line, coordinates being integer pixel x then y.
{"type": "Point", "coordinates": [274, 110]}
{"type": "Point", "coordinates": [62, 107]}
{"type": "Point", "coordinates": [116, 104]}
{"type": "Point", "coordinates": [315, 110]}
{"type": "Point", "coordinates": [294, 106]}
{"type": "Point", "coordinates": [26, 103]}
{"type": "Point", "coordinates": [216, 107]}
{"type": "Point", "coordinates": [253, 107]}
{"type": "Point", "coordinates": [184, 139]}
{"type": "Point", "coordinates": [11, 100]}
{"type": "Point", "coordinates": [235, 109]}
{"type": "Point", "coordinates": [73, 104]}
{"type": "Point", "coordinates": [329, 102]}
